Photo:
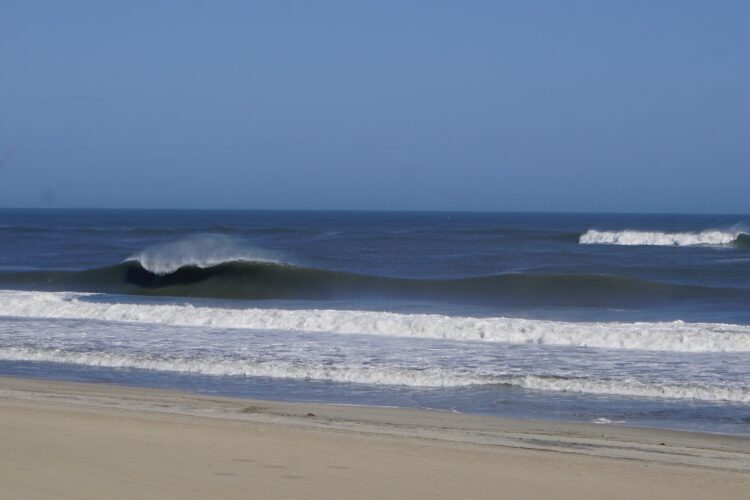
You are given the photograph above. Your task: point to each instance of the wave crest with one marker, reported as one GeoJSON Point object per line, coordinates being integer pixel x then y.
{"type": "Point", "coordinates": [200, 251]}
{"type": "Point", "coordinates": [709, 237]}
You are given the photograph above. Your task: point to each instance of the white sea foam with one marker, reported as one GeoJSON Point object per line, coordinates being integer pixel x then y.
{"type": "Point", "coordinates": [709, 237]}
{"type": "Point", "coordinates": [655, 336]}
{"type": "Point", "coordinates": [198, 250]}
{"type": "Point", "coordinates": [358, 374]}
{"type": "Point", "coordinates": [634, 388]}
{"type": "Point", "coordinates": [374, 374]}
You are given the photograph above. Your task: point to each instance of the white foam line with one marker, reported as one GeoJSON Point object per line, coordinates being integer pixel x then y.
{"type": "Point", "coordinates": [374, 375]}
{"type": "Point", "coordinates": [654, 336]}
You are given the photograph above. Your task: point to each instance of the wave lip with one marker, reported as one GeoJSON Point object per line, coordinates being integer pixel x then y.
{"type": "Point", "coordinates": [709, 237]}
{"type": "Point", "coordinates": [201, 251]}
{"type": "Point", "coordinates": [675, 336]}
{"type": "Point", "coordinates": [376, 375]}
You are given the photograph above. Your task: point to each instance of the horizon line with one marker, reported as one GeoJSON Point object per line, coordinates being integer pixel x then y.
{"type": "Point", "coordinates": [384, 210]}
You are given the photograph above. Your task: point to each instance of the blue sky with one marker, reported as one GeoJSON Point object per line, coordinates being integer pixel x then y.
{"type": "Point", "coordinates": [519, 106]}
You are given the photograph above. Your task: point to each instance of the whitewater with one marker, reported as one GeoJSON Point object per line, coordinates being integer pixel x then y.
{"type": "Point", "coordinates": [677, 336]}
{"type": "Point", "coordinates": [368, 360]}
{"type": "Point", "coordinates": [708, 237]}
{"type": "Point", "coordinates": [369, 375]}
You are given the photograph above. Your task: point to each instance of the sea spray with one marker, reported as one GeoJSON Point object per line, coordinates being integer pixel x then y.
{"type": "Point", "coordinates": [200, 250]}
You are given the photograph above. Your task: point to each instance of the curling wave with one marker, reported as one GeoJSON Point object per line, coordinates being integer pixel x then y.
{"type": "Point", "coordinates": [374, 374]}
{"type": "Point", "coordinates": [200, 251]}
{"type": "Point", "coordinates": [652, 336]}
{"type": "Point", "coordinates": [709, 237]}
{"type": "Point", "coordinates": [223, 267]}
{"type": "Point", "coordinates": [255, 280]}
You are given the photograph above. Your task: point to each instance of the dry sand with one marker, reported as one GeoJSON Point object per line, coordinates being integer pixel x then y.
{"type": "Point", "coordinates": [69, 440]}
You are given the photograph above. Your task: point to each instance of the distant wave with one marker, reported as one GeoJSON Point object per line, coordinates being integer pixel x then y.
{"type": "Point", "coordinates": [374, 374]}
{"type": "Point", "coordinates": [652, 336]}
{"type": "Point", "coordinates": [709, 237]}
{"type": "Point", "coordinates": [136, 231]}
{"type": "Point", "coordinates": [22, 229]}
{"type": "Point", "coordinates": [207, 231]}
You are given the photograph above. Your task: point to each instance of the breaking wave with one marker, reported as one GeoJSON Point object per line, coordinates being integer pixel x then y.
{"type": "Point", "coordinates": [374, 374]}
{"type": "Point", "coordinates": [709, 237]}
{"type": "Point", "coordinates": [652, 336]}
{"type": "Point", "coordinates": [199, 251]}
{"type": "Point", "coordinates": [221, 267]}
{"type": "Point", "coordinates": [185, 275]}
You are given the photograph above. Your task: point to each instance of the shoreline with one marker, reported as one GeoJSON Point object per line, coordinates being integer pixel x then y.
{"type": "Point", "coordinates": [51, 427]}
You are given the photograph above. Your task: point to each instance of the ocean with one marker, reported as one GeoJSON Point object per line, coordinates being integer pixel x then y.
{"type": "Point", "coordinates": [634, 319]}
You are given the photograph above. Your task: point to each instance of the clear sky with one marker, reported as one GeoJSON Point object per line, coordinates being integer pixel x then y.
{"type": "Point", "coordinates": [461, 105]}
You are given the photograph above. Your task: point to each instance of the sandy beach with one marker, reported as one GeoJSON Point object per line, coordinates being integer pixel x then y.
{"type": "Point", "coordinates": [72, 440]}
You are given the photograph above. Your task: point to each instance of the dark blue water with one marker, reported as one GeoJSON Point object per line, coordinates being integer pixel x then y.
{"type": "Point", "coordinates": [601, 307]}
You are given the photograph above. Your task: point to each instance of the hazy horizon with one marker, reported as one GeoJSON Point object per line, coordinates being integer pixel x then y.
{"type": "Point", "coordinates": [365, 211]}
